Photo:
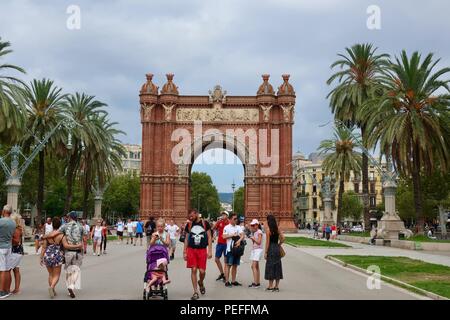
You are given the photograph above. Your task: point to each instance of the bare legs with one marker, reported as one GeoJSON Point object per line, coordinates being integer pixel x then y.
{"type": "Point", "coordinates": [17, 279]}
{"type": "Point", "coordinates": [233, 273]}
{"type": "Point", "coordinates": [5, 280]}
{"type": "Point", "coordinates": [256, 273]}
{"type": "Point", "coordinates": [194, 279]}
{"type": "Point", "coordinates": [219, 265]}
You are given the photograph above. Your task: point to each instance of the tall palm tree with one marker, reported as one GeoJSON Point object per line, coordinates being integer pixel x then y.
{"type": "Point", "coordinates": [82, 108]}
{"type": "Point", "coordinates": [45, 106]}
{"type": "Point", "coordinates": [102, 158]}
{"type": "Point", "coordinates": [359, 73]}
{"type": "Point", "coordinates": [412, 119]}
{"type": "Point", "coordinates": [340, 159]}
{"type": "Point", "coordinates": [12, 111]}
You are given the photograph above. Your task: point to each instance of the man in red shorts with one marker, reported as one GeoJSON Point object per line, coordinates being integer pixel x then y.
{"type": "Point", "coordinates": [197, 249]}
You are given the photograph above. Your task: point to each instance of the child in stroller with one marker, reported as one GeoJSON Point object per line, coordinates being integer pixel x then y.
{"type": "Point", "coordinates": [156, 277]}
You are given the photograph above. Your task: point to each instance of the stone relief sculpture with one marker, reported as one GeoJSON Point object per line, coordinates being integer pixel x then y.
{"type": "Point", "coordinates": [287, 111]}
{"type": "Point", "coordinates": [216, 95]}
{"type": "Point", "coordinates": [217, 114]}
{"type": "Point", "coordinates": [168, 111]}
{"type": "Point", "coordinates": [147, 110]}
{"type": "Point", "coordinates": [266, 111]}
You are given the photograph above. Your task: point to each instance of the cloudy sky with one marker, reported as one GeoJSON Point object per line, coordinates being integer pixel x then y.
{"type": "Point", "coordinates": [208, 42]}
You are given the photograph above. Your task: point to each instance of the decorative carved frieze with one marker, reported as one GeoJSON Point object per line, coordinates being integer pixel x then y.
{"type": "Point", "coordinates": [218, 114]}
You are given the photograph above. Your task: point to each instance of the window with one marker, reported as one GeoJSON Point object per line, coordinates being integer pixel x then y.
{"type": "Point", "coordinates": [372, 188]}
{"type": "Point", "coordinates": [371, 175]}
{"type": "Point", "coordinates": [314, 189]}
{"type": "Point", "coordinates": [314, 203]}
{"type": "Point", "coordinates": [315, 215]}
{"type": "Point", "coordinates": [356, 187]}
{"type": "Point", "coordinates": [373, 202]}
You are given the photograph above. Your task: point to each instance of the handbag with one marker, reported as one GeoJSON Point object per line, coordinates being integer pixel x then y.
{"type": "Point", "coordinates": [282, 252]}
{"type": "Point", "coordinates": [17, 249]}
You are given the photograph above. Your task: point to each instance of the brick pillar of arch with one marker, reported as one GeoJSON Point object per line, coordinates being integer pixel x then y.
{"type": "Point", "coordinates": [165, 185]}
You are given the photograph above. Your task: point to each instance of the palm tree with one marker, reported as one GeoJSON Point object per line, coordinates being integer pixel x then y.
{"type": "Point", "coordinates": [45, 104]}
{"type": "Point", "coordinates": [102, 158]}
{"type": "Point", "coordinates": [359, 74]}
{"type": "Point", "coordinates": [340, 159]}
{"type": "Point", "coordinates": [412, 121]}
{"type": "Point", "coordinates": [82, 108]}
{"type": "Point", "coordinates": [12, 111]}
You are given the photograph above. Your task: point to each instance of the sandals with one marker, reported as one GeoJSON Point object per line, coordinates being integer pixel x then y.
{"type": "Point", "coordinates": [195, 296]}
{"type": "Point", "coordinates": [202, 288]}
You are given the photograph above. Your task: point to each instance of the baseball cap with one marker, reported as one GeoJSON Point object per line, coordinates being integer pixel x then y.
{"type": "Point", "coordinates": [254, 221]}
{"type": "Point", "coordinates": [224, 212]}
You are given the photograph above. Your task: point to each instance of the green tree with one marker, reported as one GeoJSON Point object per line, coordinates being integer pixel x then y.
{"type": "Point", "coordinates": [204, 195]}
{"type": "Point", "coordinates": [122, 196]}
{"type": "Point", "coordinates": [359, 74]}
{"type": "Point", "coordinates": [82, 109]}
{"type": "Point", "coordinates": [352, 206]}
{"type": "Point", "coordinates": [239, 206]}
{"type": "Point", "coordinates": [340, 159]}
{"type": "Point", "coordinates": [45, 103]}
{"type": "Point", "coordinates": [12, 107]}
{"type": "Point", "coordinates": [412, 120]}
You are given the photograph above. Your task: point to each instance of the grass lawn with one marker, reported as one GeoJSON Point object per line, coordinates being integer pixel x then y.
{"type": "Point", "coordinates": [422, 238]}
{"type": "Point", "coordinates": [306, 242]}
{"type": "Point", "coordinates": [428, 276]}
{"type": "Point", "coordinates": [357, 234]}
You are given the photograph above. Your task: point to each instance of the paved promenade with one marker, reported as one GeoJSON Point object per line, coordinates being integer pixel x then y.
{"type": "Point", "coordinates": [119, 275]}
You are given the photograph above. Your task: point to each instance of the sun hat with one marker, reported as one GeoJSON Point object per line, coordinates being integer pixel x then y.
{"type": "Point", "coordinates": [254, 221]}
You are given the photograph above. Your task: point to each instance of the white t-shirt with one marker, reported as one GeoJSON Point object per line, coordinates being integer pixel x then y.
{"type": "Point", "coordinates": [48, 228]}
{"type": "Point", "coordinates": [98, 232]}
{"type": "Point", "coordinates": [87, 228]}
{"type": "Point", "coordinates": [231, 230]}
{"type": "Point", "coordinates": [130, 227]}
{"type": "Point", "coordinates": [120, 226]}
{"type": "Point", "coordinates": [172, 230]}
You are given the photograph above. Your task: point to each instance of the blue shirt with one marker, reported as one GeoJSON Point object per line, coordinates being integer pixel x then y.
{"type": "Point", "coordinates": [139, 227]}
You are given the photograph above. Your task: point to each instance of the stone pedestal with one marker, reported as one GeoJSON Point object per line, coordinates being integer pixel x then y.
{"type": "Point", "coordinates": [13, 187]}
{"type": "Point", "coordinates": [327, 212]}
{"type": "Point", "coordinates": [390, 224]}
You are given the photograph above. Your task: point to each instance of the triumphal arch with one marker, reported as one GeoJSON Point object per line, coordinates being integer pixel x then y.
{"type": "Point", "coordinates": [177, 128]}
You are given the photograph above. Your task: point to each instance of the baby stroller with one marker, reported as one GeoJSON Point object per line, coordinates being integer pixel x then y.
{"type": "Point", "coordinates": [154, 253]}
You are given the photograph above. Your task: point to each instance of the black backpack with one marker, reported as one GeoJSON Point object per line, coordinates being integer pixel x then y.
{"type": "Point", "coordinates": [239, 250]}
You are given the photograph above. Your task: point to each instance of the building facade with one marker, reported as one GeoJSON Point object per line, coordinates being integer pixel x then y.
{"type": "Point", "coordinates": [308, 205]}
{"type": "Point", "coordinates": [131, 163]}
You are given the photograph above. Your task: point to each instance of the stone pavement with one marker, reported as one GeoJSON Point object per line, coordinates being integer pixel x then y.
{"type": "Point", "coordinates": [119, 275]}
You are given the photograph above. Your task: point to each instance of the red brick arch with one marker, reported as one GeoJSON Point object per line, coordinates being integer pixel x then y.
{"type": "Point", "coordinates": [165, 182]}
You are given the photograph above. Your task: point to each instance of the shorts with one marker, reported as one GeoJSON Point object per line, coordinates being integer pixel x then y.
{"type": "Point", "coordinates": [139, 235]}
{"type": "Point", "coordinates": [5, 259]}
{"type": "Point", "coordinates": [232, 260]}
{"type": "Point", "coordinates": [333, 233]}
{"type": "Point", "coordinates": [131, 234]}
{"type": "Point", "coordinates": [256, 254]}
{"type": "Point", "coordinates": [97, 239]}
{"type": "Point", "coordinates": [221, 249]}
{"type": "Point", "coordinates": [14, 260]}
{"type": "Point", "coordinates": [120, 233]}
{"type": "Point", "coordinates": [173, 243]}
{"type": "Point", "coordinates": [196, 258]}
{"type": "Point", "coordinates": [73, 258]}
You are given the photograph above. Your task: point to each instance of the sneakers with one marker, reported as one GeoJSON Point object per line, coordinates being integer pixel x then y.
{"type": "Point", "coordinates": [222, 276]}
{"type": "Point", "coordinates": [236, 284]}
{"type": "Point", "coordinates": [228, 284]}
{"type": "Point", "coordinates": [4, 294]}
{"type": "Point", "coordinates": [254, 285]}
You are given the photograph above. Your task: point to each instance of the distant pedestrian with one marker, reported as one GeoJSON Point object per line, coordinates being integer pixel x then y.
{"type": "Point", "coordinates": [7, 229]}
{"type": "Point", "coordinates": [173, 231]}
{"type": "Point", "coordinates": [221, 246]}
{"type": "Point", "coordinates": [130, 231]}
{"type": "Point", "coordinates": [273, 252]}
{"type": "Point", "coordinates": [316, 230]}
{"type": "Point", "coordinates": [104, 237]}
{"type": "Point", "coordinates": [257, 250]}
{"type": "Point", "coordinates": [120, 227]}
{"type": "Point", "coordinates": [333, 232]}
{"type": "Point", "coordinates": [38, 232]}
{"type": "Point", "coordinates": [16, 251]}
{"type": "Point", "coordinates": [96, 236]}
{"type": "Point", "coordinates": [48, 226]}
{"type": "Point", "coordinates": [52, 256]}
{"type": "Point", "coordinates": [327, 232]}
{"type": "Point", "coordinates": [87, 235]}
{"type": "Point", "coordinates": [139, 231]}
{"type": "Point", "coordinates": [197, 249]}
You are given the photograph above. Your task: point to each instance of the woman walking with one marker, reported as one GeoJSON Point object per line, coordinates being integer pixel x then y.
{"type": "Point", "coordinates": [52, 255]}
{"type": "Point", "coordinates": [257, 250]}
{"type": "Point", "coordinates": [38, 232]}
{"type": "Point", "coordinates": [104, 237]}
{"type": "Point", "coordinates": [160, 236]}
{"type": "Point", "coordinates": [16, 252]}
{"type": "Point", "coordinates": [96, 235]}
{"type": "Point", "coordinates": [275, 238]}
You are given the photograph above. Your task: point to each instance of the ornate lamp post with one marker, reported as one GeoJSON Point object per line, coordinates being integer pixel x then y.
{"type": "Point", "coordinates": [15, 171]}
{"type": "Point", "coordinates": [233, 186]}
{"type": "Point", "coordinates": [98, 198]}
